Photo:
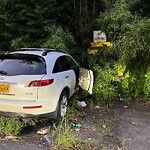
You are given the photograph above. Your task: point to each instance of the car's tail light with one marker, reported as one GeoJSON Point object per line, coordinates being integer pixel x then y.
{"type": "Point", "coordinates": [38, 83]}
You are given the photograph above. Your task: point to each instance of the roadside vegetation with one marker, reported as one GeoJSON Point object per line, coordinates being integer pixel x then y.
{"type": "Point", "coordinates": [121, 71]}
{"type": "Point", "coordinates": [68, 26]}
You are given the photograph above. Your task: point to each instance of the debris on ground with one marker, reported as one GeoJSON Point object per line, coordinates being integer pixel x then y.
{"type": "Point", "coordinates": [43, 130]}
{"type": "Point", "coordinates": [104, 126]}
{"type": "Point", "coordinates": [121, 99]}
{"type": "Point", "coordinates": [97, 107]}
{"type": "Point", "coordinates": [47, 140]}
{"type": "Point", "coordinates": [82, 103]}
{"type": "Point", "coordinates": [125, 106]}
{"type": "Point", "coordinates": [10, 137]}
{"type": "Point", "coordinates": [78, 125]}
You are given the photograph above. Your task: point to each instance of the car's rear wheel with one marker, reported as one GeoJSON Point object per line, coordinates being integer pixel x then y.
{"type": "Point", "coordinates": [62, 105]}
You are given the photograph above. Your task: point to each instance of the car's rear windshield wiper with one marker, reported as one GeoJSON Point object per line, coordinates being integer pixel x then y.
{"type": "Point", "coordinates": [3, 72]}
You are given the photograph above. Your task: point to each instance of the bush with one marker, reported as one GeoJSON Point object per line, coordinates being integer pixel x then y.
{"type": "Point", "coordinates": [106, 85]}
{"type": "Point", "coordinates": [147, 85]}
{"type": "Point", "coordinates": [111, 83]}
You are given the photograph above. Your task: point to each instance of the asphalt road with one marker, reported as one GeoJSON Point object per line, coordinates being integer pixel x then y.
{"type": "Point", "coordinates": [132, 125]}
{"type": "Point", "coordinates": [9, 145]}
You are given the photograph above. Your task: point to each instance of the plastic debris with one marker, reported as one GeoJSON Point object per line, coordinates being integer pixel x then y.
{"type": "Point", "coordinates": [104, 126]}
{"type": "Point", "coordinates": [97, 107]}
{"type": "Point", "coordinates": [10, 137]}
{"type": "Point", "coordinates": [44, 130]}
{"type": "Point", "coordinates": [126, 106]}
{"type": "Point", "coordinates": [47, 140]}
{"type": "Point", "coordinates": [78, 125]}
{"type": "Point", "coordinates": [82, 103]}
{"type": "Point", "coordinates": [121, 99]}
{"type": "Point", "coordinates": [121, 77]}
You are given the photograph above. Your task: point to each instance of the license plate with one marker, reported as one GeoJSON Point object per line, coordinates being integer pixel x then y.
{"type": "Point", "coordinates": [4, 88]}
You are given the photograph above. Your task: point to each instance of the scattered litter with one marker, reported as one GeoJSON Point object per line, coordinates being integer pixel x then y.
{"type": "Point", "coordinates": [47, 140]}
{"type": "Point", "coordinates": [10, 137]}
{"type": "Point", "coordinates": [78, 125]}
{"type": "Point", "coordinates": [82, 103]}
{"type": "Point", "coordinates": [133, 123]}
{"type": "Point", "coordinates": [126, 106]}
{"type": "Point", "coordinates": [97, 107]}
{"type": "Point", "coordinates": [94, 129]}
{"type": "Point", "coordinates": [44, 130]}
{"type": "Point", "coordinates": [121, 77]}
{"type": "Point", "coordinates": [104, 126]}
{"type": "Point", "coordinates": [89, 139]}
{"type": "Point", "coordinates": [13, 138]}
{"type": "Point", "coordinates": [121, 99]}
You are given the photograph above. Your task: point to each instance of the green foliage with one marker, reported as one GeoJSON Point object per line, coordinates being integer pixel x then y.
{"type": "Point", "coordinates": [147, 85]}
{"type": "Point", "coordinates": [3, 2]}
{"type": "Point", "coordinates": [130, 34]}
{"type": "Point", "coordinates": [113, 21]}
{"type": "Point", "coordinates": [10, 126]}
{"type": "Point", "coordinates": [140, 7]}
{"type": "Point", "coordinates": [105, 85]}
{"type": "Point", "coordinates": [63, 137]}
{"type": "Point", "coordinates": [58, 38]}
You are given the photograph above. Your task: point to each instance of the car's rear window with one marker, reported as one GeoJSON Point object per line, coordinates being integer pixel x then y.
{"type": "Point", "coordinates": [21, 64]}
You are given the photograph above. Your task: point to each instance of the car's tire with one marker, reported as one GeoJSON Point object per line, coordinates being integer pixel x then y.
{"type": "Point", "coordinates": [62, 105]}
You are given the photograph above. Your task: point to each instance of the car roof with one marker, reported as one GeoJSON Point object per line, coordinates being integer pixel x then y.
{"type": "Point", "coordinates": [43, 52]}
{"type": "Point", "coordinates": [50, 55]}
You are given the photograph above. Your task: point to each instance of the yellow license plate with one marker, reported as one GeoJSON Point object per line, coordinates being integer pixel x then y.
{"type": "Point", "coordinates": [4, 88]}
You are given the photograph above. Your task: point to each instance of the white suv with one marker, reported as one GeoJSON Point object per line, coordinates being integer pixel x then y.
{"type": "Point", "coordinates": [37, 82]}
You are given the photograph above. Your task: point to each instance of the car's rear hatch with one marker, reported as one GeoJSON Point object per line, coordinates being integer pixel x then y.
{"type": "Point", "coordinates": [18, 74]}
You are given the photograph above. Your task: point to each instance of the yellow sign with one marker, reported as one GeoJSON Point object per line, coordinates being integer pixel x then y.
{"type": "Point", "coordinates": [92, 51]}
{"type": "Point", "coordinates": [100, 44]}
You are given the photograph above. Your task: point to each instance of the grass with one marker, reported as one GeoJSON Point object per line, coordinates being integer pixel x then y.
{"type": "Point", "coordinates": [13, 126]}
{"type": "Point", "coordinates": [10, 126]}
{"type": "Point", "coordinates": [62, 135]}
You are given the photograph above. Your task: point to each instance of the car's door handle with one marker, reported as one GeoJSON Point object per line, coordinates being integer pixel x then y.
{"type": "Point", "coordinates": [67, 77]}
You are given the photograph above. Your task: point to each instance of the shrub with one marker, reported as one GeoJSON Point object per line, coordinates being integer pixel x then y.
{"type": "Point", "coordinates": [105, 85]}
{"type": "Point", "coordinates": [147, 85]}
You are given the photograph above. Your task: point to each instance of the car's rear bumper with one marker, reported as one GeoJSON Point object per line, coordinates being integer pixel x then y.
{"type": "Point", "coordinates": [21, 115]}
{"type": "Point", "coordinates": [39, 108]}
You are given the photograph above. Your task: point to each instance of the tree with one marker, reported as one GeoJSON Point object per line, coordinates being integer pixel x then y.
{"type": "Point", "coordinates": [58, 39]}
{"type": "Point", "coordinates": [130, 36]}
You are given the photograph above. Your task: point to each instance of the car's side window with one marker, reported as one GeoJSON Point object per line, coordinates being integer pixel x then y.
{"type": "Point", "coordinates": [56, 66]}
{"type": "Point", "coordinates": [73, 66]}
{"type": "Point", "coordinates": [62, 64]}
{"type": "Point", "coordinates": [71, 62]}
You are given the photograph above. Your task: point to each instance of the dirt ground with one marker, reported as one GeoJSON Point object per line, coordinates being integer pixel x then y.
{"type": "Point", "coordinates": [125, 127]}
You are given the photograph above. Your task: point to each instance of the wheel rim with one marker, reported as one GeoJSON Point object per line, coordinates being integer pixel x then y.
{"type": "Point", "coordinates": [63, 106]}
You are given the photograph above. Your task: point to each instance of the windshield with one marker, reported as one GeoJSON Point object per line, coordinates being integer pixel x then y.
{"type": "Point", "coordinates": [21, 64]}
